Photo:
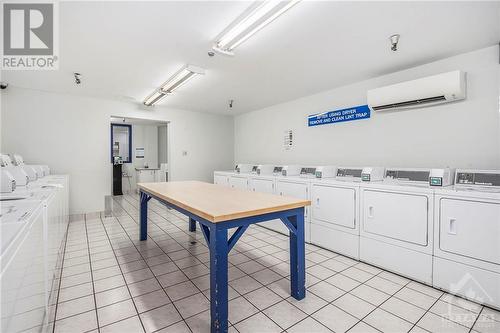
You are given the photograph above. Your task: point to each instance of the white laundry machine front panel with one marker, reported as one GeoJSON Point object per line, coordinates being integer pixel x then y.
{"type": "Point", "coordinates": [470, 282]}
{"type": "Point", "coordinates": [400, 216]}
{"type": "Point", "coordinates": [467, 243]}
{"type": "Point", "coordinates": [238, 182]}
{"type": "Point", "coordinates": [264, 185]}
{"type": "Point", "coordinates": [470, 228]}
{"type": "Point", "coordinates": [267, 185]}
{"type": "Point", "coordinates": [221, 180]}
{"type": "Point", "coordinates": [333, 206]}
{"type": "Point", "coordinates": [296, 188]}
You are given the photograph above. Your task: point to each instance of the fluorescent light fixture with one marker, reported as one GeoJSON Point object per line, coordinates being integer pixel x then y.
{"type": "Point", "coordinates": [155, 97]}
{"type": "Point", "coordinates": [177, 80]}
{"type": "Point", "coordinates": [180, 78]}
{"type": "Point", "coordinates": [257, 17]}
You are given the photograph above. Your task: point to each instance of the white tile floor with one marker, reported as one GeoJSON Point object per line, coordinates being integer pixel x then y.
{"type": "Point", "coordinates": [111, 282]}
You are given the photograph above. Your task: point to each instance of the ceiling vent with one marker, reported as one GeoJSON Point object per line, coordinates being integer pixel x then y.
{"type": "Point", "coordinates": [432, 90]}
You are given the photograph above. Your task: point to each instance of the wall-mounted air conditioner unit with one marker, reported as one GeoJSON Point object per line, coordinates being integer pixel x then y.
{"type": "Point", "coordinates": [436, 89]}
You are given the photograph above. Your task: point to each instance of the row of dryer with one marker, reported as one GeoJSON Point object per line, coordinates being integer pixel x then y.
{"type": "Point", "coordinates": [33, 225]}
{"type": "Point", "coordinates": [413, 222]}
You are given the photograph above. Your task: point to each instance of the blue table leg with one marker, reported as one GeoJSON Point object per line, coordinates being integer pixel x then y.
{"type": "Point", "coordinates": [144, 198]}
{"type": "Point", "coordinates": [297, 257]}
{"type": "Point", "coordinates": [218, 278]}
{"type": "Point", "coordinates": [192, 225]}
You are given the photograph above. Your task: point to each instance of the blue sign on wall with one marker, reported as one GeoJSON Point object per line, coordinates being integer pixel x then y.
{"type": "Point", "coordinates": [337, 116]}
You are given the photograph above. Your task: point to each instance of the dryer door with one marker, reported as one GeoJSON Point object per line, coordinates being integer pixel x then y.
{"type": "Point", "coordinates": [261, 185]}
{"type": "Point", "coordinates": [221, 180]}
{"type": "Point", "coordinates": [394, 215]}
{"type": "Point", "coordinates": [334, 205]}
{"type": "Point", "coordinates": [470, 228]}
{"type": "Point", "coordinates": [238, 182]}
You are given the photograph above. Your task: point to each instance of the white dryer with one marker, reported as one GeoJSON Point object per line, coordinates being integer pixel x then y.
{"type": "Point", "coordinates": [335, 209]}
{"type": "Point", "coordinates": [396, 223]}
{"type": "Point", "coordinates": [467, 237]}
{"type": "Point", "coordinates": [335, 212]}
{"type": "Point", "coordinates": [222, 177]}
{"type": "Point", "coordinates": [295, 187]}
{"type": "Point", "coordinates": [266, 183]}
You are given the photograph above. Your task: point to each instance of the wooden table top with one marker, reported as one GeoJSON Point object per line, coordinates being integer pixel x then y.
{"type": "Point", "coordinates": [217, 203]}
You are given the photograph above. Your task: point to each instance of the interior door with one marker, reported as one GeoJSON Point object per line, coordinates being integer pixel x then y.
{"type": "Point", "coordinates": [470, 228]}
{"type": "Point", "coordinates": [237, 182]}
{"type": "Point", "coordinates": [398, 216]}
{"type": "Point", "coordinates": [334, 205]}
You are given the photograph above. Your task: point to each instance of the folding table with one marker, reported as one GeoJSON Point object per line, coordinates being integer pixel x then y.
{"type": "Point", "coordinates": [217, 208]}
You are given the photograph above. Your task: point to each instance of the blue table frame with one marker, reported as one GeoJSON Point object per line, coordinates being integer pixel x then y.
{"type": "Point", "coordinates": [216, 236]}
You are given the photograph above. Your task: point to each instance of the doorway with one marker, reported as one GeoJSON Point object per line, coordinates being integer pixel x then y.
{"type": "Point", "coordinates": [139, 151]}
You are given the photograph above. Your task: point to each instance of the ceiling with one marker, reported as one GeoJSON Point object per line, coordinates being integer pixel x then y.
{"type": "Point", "coordinates": [125, 50]}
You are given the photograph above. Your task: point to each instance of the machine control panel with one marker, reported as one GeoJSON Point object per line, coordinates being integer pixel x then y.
{"type": "Point", "coordinates": [7, 182]}
{"type": "Point", "coordinates": [326, 171]}
{"type": "Point", "coordinates": [371, 174]}
{"type": "Point", "coordinates": [436, 181]}
{"type": "Point", "coordinates": [290, 170]}
{"type": "Point", "coordinates": [265, 169]}
{"type": "Point", "coordinates": [308, 172]}
{"type": "Point", "coordinates": [347, 172]}
{"type": "Point", "coordinates": [430, 177]}
{"type": "Point", "coordinates": [408, 175]}
{"type": "Point", "coordinates": [244, 168]}
{"type": "Point", "coordinates": [277, 170]}
{"type": "Point", "coordinates": [478, 178]}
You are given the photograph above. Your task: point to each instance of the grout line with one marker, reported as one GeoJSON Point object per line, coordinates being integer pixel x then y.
{"type": "Point", "coordinates": [119, 267]}
{"type": "Point", "coordinates": [155, 277]}
{"type": "Point", "coordinates": [91, 274]}
{"type": "Point", "coordinates": [60, 276]}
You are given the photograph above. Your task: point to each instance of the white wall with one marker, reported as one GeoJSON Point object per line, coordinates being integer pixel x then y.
{"type": "Point", "coordinates": [463, 134]}
{"type": "Point", "coordinates": [41, 127]}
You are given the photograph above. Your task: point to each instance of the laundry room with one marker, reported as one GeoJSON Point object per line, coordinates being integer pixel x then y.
{"type": "Point", "coordinates": [250, 166]}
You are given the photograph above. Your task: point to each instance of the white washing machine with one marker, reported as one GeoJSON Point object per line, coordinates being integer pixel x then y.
{"type": "Point", "coordinates": [396, 223]}
{"type": "Point", "coordinates": [295, 187]}
{"type": "Point", "coordinates": [237, 178]}
{"type": "Point", "coordinates": [467, 237]}
{"type": "Point", "coordinates": [265, 182]}
{"type": "Point", "coordinates": [222, 177]}
{"type": "Point", "coordinates": [23, 291]}
{"type": "Point", "coordinates": [335, 209]}
{"type": "Point", "coordinates": [335, 212]}
{"type": "Point", "coordinates": [240, 179]}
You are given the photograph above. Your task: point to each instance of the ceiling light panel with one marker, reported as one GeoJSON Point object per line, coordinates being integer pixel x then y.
{"type": "Point", "coordinates": [155, 97]}
{"type": "Point", "coordinates": [254, 19]}
{"type": "Point", "coordinates": [180, 78]}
